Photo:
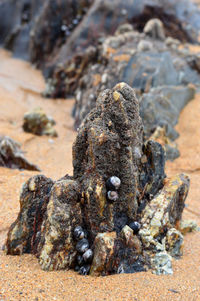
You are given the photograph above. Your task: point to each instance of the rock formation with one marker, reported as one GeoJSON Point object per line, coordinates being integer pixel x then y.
{"type": "Point", "coordinates": [38, 123]}
{"type": "Point", "coordinates": [118, 212]}
{"type": "Point", "coordinates": [11, 155]}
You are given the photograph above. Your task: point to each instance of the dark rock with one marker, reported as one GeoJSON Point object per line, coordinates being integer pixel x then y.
{"type": "Point", "coordinates": [60, 21]}
{"type": "Point", "coordinates": [162, 107]}
{"type": "Point", "coordinates": [105, 146]}
{"type": "Point", "coordinates": [23, 236]}
{"type": "Point", "coordinates": [11, 155]}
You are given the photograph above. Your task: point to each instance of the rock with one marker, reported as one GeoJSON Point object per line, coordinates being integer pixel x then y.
{"type": "Point", "coordinates": [61, 19]}
{"type": "Point", "coordinates": [24, 233]}
{"type": "Point", "coordinates": [155, 29]}
{"type": "Point", "coordinates": [103, 254]}
{"type": "Point", "coordinates": [165, 210]}
{"type": "Point", "coordinates": [144, 46]}
{"type": "Point", "coordinates": [109, 154]}
{"type": "Point", "coordinates": [124, 28]}
{"type": "Point", "coordinates": [174, 243]}
{"type": "Point", "coordinates": [162, 107]}
{"type": "Point", "coordinates": [11, 155]}
{"type": "Point", "coordinates": [56, 249]}
{"type": "Point", "coordinates": [161, 264]}
{"type": "Point", "coordinates": [161, 136]}
{"type": "Point", "coordinates": [105, 146]}
{"type": "Point", "coordinates": [187, 226]}
{"type": "Point", "coordinates": [161, 83]}
{"type": "Point", "coordinates": [38, 123]}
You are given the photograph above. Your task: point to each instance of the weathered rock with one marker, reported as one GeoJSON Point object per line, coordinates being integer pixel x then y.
{"type": "Point", "coordinates": [161, 264]}
{"type": "Point", "coordinates": [109, 143]}
{"type": "Point", "coordinates": [103, 254]}
{"type": "Point", "coordinates": [162, 107]}
{"type": "Point", "coordinates": [155, 29]}
{"type": "Point", "coordinates": [56, 249]}
{"type": "Point", "coordinates": [165, 210]}
{"type": "Point", "coordinates": [119, 60]}
{"type": "Point", "coordinates": [61, 18]}
{"type": "Point", "coordinates": [11, 155]}
{"type": "Point", "coordinates": [24, 233]}
{"type": "Point", "coordinates": [187, 226]}
{"type": "Point", "coordinates": [38, 123]}
{"type": "Point", "coordinates": [174, 243]}
{"type": "Point", "coordinates": [127, 234]}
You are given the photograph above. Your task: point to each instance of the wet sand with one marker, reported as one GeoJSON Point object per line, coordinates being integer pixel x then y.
{"type": "Point", "coordinates": [21, 277]}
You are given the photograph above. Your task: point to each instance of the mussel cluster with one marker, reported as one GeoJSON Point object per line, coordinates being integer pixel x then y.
{"type": "Point", "coordinates": [85, 254]}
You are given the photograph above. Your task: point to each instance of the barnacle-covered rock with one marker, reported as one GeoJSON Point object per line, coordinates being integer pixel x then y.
{"type": "Point", "coordinates": [38, 123]}
{"type": "Point", "coordinates": [11, 155]}
{"type": "Point", "coordinates": [73, 224]}
{"type": "Point", "coordinates": [105, 146]}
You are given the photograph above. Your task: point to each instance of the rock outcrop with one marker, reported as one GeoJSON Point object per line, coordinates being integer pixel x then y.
{"type": "Point", "coordinates": [118, 213]}
{"type": "Point", "coordinates": [11, 155]}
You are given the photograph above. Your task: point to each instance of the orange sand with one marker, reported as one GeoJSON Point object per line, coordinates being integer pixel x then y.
{"type": "Point", "coordinates": [21, 278]}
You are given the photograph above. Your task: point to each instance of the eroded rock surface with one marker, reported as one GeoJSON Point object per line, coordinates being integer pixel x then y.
{"type": "Point", "coordinates": [38, 123]}
{"type": "Point", "coordinates": [11, 155]}
{"type": "Point", "coordinates": [118, 213]}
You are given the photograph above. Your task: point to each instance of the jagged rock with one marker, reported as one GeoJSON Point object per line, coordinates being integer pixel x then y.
{"type": "Point", "coordinates": [165, 210]}
{"type": "Point", "coordinates": [161, 264]}
{"type": "Point", "coordinates": [187, 226]}
{"type": "Point", "coordinates": [61, 19]}
{"type": "Point", "coordinates": [23, 235]}
{"type": "Point", "coordinates": [162, 107]}
{"type": "Point", "coordinates": [109, 143]}
{"type": "Point", "coordinates": [174, 242]}
{"type": "Point", "coordinates": [155, 29]}
{"type": "Point", "coordinates": [16, 21]}
{"type": "Point", "coordinates": [164, 136]}
{"type": "Point", "coordinates": [11, 155]}
{"type": "Point", "coordinates": [105, 146]}
{"type": "Point", "coordinates": [103, 254]}
{"type": "Point", "coordinates": [38, 123]}
{"type": "Point", "coordinates": [163, 70]}
{"type": "Point", "coordinates": [56, 249]}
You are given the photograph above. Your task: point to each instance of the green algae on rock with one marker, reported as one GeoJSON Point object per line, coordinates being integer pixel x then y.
{"type": "Point", "coordinates": [109, 144]}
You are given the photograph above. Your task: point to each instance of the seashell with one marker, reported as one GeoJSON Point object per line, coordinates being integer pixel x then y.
{"type": "Point", "coordinates": [82, 245]}
{"type": "Point", "coordinates": [80, 260]}
{"type": "Point", "coordinates": [88, 255]}
{"type": "Point", "coordinates": [84, 270]}
{"type": "Point", "coordinates": [79, 233]}
{"type": "Point", "coordinates": [112, 195]}
{"type": "Point", "coordinates": [77, 268]}
{"type": "Point", "coordinates": [113, 183]}
{"type": "Point", "coordinates": [135, 226]}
